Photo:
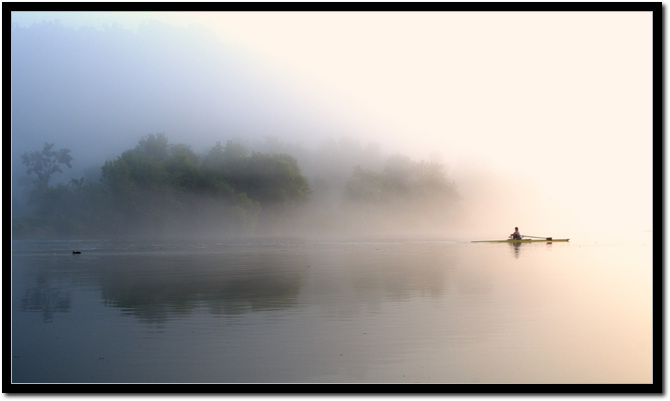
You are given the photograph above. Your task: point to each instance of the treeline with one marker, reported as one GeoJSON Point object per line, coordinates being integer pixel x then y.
{"type": "Point", "coordinates": [163, 189]}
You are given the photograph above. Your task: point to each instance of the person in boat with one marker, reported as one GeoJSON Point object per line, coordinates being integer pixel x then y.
{"type": "Point", "coordinates": [515, 234]}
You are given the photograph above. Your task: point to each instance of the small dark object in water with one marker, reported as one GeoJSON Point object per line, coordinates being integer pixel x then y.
{"type": "Point", "coordinates": [76, 252]}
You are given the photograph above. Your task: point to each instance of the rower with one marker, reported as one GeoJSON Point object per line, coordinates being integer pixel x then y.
{"type": "Point", "coordinates": [515, 234]}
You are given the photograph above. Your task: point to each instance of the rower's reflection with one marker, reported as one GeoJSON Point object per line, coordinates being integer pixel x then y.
{"type": "Point", "coordinates": [517, 247]}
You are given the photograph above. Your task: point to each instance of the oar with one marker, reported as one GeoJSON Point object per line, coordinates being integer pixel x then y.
{"type": "Point", "coordinates": [530, 236]}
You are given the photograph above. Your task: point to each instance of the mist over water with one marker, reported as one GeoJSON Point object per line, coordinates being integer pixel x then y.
{"type": "Point", "coordinates": [97, 88]}
{"type": "Point", "coordinates": [403, 310]}
{"type": "Point", "coordinates": [266, 197]}
{"type": "Point", "coordinates": [98, 92]}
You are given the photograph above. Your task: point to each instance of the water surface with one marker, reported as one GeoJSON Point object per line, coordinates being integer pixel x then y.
{"type": "Point", "coordinates": [394, 310]}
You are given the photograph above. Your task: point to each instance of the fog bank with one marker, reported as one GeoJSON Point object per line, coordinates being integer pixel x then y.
{"type": "Point", "coordinates": [551, 132]}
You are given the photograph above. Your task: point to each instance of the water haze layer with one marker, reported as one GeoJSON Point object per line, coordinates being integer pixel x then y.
{"type": "Point", "coordinates": [384, 310]}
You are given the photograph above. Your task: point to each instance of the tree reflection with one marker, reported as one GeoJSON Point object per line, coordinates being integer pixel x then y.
{"type": "Point", "coordinates": [157, 288]}
{"type": "Point", "coordinates": [46, 298]}
{"type": "Point", "coordinates": [156, 284]}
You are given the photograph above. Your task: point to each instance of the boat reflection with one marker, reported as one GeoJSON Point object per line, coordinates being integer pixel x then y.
{"type": "Point", "coordinates": [516, 246]}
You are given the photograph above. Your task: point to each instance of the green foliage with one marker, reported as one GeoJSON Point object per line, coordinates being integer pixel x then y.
{"type": "Point", "coordinates": [409, 192]}
{"type": "Point", "coordinates": [401, 180]}
{"type": "Point", "coordinates": [162, 186]}
{"type": "Point", "coordinates": [158, 188]}
{"type": "Point", "coordinates": [60, 210]}
{"type": "Point", "coordinates": [153, 147]}
{"type": "Point", "coordinates": [272, 179]}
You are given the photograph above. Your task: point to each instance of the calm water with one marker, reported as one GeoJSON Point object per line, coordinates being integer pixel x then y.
{"type": "Point", "coordinates": [401, 310]}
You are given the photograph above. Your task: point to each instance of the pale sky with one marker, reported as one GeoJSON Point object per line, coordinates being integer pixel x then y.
{"type": "Point", "coordinates": [558, 105]}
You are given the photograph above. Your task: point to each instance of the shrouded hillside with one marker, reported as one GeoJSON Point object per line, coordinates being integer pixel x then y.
{"type": "Point", "coordinates": [95, 82]}
{"type": "Point", "coordinates": [163, 189]}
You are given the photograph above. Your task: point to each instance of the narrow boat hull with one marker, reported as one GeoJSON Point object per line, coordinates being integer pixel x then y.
{"type": "Point", "coordinates": [523, 241]}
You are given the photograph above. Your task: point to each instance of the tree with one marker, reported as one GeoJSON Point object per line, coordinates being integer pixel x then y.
{"type": "Point", "coordinates": [153, 146]}
{"type": "Point", "coordinates": [272, 179]}
{"type": "Point", "coordinates": [157, 186]}
{"type": "Point", "coordinates": [404, 182]}
{"type": "Point", "coordinates": [47, 162]}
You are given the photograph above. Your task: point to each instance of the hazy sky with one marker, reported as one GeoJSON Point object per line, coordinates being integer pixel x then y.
{"type": "Point", "coordinates": [548, 114]}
